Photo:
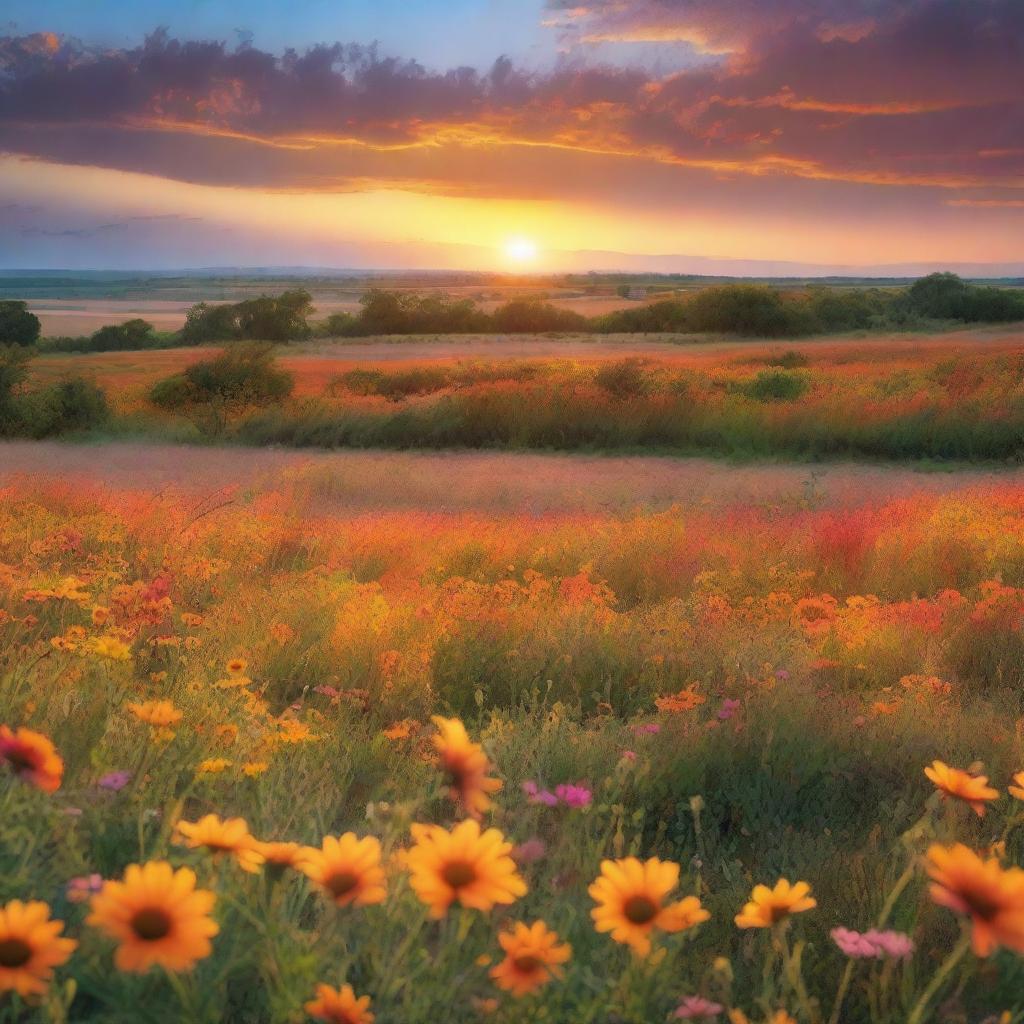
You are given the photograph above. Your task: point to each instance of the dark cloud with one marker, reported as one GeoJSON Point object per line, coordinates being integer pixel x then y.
{"type": "Point", "coordinates": [862, 91]}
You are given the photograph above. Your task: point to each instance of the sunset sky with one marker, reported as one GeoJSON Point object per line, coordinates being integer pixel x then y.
{"type": "Point", "coordinates": [511, 134]}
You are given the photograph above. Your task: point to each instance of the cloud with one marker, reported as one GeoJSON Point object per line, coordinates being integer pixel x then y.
{"type": "Point", "coordinates": [124, 225]}
{"type": "Point", "coordinates": [912, 93]}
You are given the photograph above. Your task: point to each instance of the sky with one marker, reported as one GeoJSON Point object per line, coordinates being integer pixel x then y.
{"type": "Point", "coordinates": [534, 135]}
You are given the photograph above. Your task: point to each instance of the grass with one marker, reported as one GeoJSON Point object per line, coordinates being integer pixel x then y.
{"type": "Point", "coordinates": [815, 660]}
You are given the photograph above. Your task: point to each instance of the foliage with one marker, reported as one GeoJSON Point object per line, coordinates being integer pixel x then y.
{"type": "Point", "coordinates": [17, 325]}
{"type": "Point", "coordinates": [267, 318]}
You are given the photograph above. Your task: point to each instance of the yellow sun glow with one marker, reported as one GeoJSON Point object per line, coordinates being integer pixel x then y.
{"type": "Point", "coordinates": [520, 250]}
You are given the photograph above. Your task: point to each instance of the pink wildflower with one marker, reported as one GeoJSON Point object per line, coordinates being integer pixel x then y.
{"type": "Point", "coordinates": [694, 1007]}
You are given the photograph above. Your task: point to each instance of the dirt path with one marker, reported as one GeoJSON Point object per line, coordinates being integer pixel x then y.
{"type": "Point", "coordinates": [492, 482]}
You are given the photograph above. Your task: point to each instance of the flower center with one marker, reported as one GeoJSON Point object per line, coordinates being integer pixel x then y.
{"type": "Point", "coordinates": [527, 964]}
{"type": "Point", "coordinates": [458, 874]}
{"type": "Point", "coordinates": [20, 761]}
{"type": "Point", "coordinates": [640, 910]}
{"type": "Point", "coordinates": [151, 924]}
{"type": "Point", "coordinates": [777, 912]}
{"type": "Point", "coordinates": [14, 953]}
{"type": "Point", "coordinates": [981, 905]}
{"type": "Point", "coordinates": [341, 884]}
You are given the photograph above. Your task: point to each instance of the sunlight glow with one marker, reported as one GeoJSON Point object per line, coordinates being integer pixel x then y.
{"type": "Point", "coordinates": [521, 250]}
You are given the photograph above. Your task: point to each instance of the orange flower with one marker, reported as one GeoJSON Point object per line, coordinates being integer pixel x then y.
{"type": "Point", "coordinates": [685, 700]}
{"type": "Point", "coordinates": [100, 615]}
{"type": "Point", "coordinates": [533, 957]}
{"type": "Point", "coordinates": [630, 896]}
{"type": "Point", "coordinates": [158, 713]}
{"type": "Point", "coordinates": [278, 856]}
{"type": "Point", "coordinates": [1017, 789]}
{"type": "Point", "coordinates": [990, 895]}
{"type": "Point", "coordinates": [236, 666]}
{"type": "Point", "coordinates": [339, 1006]}
{"type": "Point", "coordinates": [348, 868]}
{"type": "Point", "coordinates": [466, 766]}
{"type": "Point", "coordinates": [952, 782]}
{"type": "Point", "coordinates": [769, 906]}
{"type": "Point", "coordinates": [464, 865]}
{"type": "Point", "coordinates": [230, 836]}
{"type": "Point", "coordinates": [30, 947]}
{"type": "Point", "coordinates": [32, 757]}
{"type": "Point", "coordinates": [158, 916]}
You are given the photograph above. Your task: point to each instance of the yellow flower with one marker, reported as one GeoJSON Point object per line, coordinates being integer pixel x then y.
{"type": "Point", "coordinates": [685, 700]}
{"type": "Point", "coordinates": [630, 896]}
{"type": "Point", "coordinates": [466, 766]}
{"type": "Point", "coordinates": [214, 765]}
{"type": "Point", "coordinates": [110, 647]}
{"type": "Point", "coordinates": [532, 958]}
{"type": "Point", "coordinates": [158, 916]}
{"type": "Point", "coordinates": [348, 868]}
{"type": "Point", "coordinates": [971, 789]}
{"type": "Point", "coordinates": [254, 768]}
{"type": "Point", "coordinates": [32, 757]}
{"type": "Point", "coordinates": [339, 1006]}
{"type": "Point", "coordinates": [233, 682]}
{"type": "Point", "coordinates": [230, 836]}
{"type": "Point", "coordinates": [30, 947]}
{"type": "Point", "coordinates": [159, 713]}
{"type": "Point", "coordinates": [983, 890]}
{"type": "Point", "coordinates": [464, 865]}
{"type": "Point", "coordinates": [769, 906]}
{"type": "Point", "coordinates": [280, 855]}
{"type": "Point", "coordinates": [1017, 789]}
{"type": "Point", "coordinates": [100, 615]}
{"type": "Point", "coordinates": [236, 667]}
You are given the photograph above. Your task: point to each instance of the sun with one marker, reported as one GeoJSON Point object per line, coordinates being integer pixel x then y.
{"type": "Point", "coordinates": [521, 250]}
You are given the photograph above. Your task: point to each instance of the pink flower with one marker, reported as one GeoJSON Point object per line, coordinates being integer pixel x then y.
{"type": "Point", "coordinates": [573, 796]}
{"type": "Point", "coordinates": [532, 850]}
{"type": "Point", "coordinates": [80, 889]}
{"type": "Point", "coordinates": [115, 781]}
{"type": "Point", "coordinates": [647, 729]}
{"type": "Point", "coordinates": [782, 674]}
{"type": "Point", "coordinates": [693, 1007]}
{"type": "Point", "coordinates": [873, 944]}
{"type": "Point", "coordinates": [629, 755]}
{"type": "Point", "coordinates": [728, 709]}
{"type": "Point", "coordinates": [539, 796]}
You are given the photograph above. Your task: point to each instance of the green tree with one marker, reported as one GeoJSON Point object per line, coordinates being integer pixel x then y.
{"type": "Point", "coordinates": [17, 325]}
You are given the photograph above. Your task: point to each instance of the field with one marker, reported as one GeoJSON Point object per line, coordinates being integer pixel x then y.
{"type": "Point", "coordinates": [742, 672]}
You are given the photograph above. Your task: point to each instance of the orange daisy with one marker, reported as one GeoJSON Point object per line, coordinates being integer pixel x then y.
{"type": "Point", "coordinates": [983, 890]}
{"type": "Point", "coordinates": [339, 1006]}
{"type": "Point", "coordinates": [630, 896]}
{"type": "Point", "coordinates": [159, 713]}
{"type": "Point", "coordinates": [1017, 789]}
{"type": "Point", "coordinates": [278, 856]}
{"type": "Point", "coordinates": [230, 836]}
{"type": "Point", "coordinates": [158, 916]}
{"type": "Point", "coordinates": [464, 865]}
{"type": "Point", "coordinates": [769, 906]}
{"type": "Point", "coordinates": [466, 765]}
{"type": "Point", "coordinates": [348, 868]}
{"type": "Point", "coordinates": [236, 667]}
{"type": "Point", "coordinates": [30, 947]}
{"type": "Point", "coordinates": [32, 757]}
{"type": "Point", "coordinates": [533, 957]}
{"type": "Point", "coordinates": [952, 782]}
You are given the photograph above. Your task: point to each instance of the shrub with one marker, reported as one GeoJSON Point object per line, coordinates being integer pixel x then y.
{"type": "Point", "coordinates": [747, 309]}
{"type": "Point", "coordinates": [17, 325]}
{"type": "Point", "coordinates": [777, 386]}
{"type": "Point", "coordinates": [528, 316]}
{"type": "Point", "coordinates": [74, 404]}
{"type": "Point", "coordinates": [788, 360]}
{"type": "Point", "coordinates": [132, 334]}
{"type": "Point", "coordinates": [262, 319]}
{"type": "Point", "coordinates": [625, 378]}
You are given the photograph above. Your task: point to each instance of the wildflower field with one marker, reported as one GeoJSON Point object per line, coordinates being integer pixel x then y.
{"type": "Point", "coordinates": [264, 761]}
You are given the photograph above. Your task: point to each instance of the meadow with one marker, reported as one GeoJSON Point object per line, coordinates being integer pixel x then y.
{"type": "Point", "coordinates": [689, 737]}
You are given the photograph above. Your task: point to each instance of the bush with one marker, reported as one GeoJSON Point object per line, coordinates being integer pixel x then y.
{"type": "Point", "coordinates": [529, 316]}
{"type": "Point", "coordinates": [625, 378]}
{"type": "Point", "coordinates": [748, 309]}
{"type": "Point", "coordinates": [132, 334]}
{"type": "Point", "coordinates": [263, 319]}
{"type": "Point", "coordinates": [214, 391]}
{"type": "Point", "coordinates": [777, 386]}
{"type": "Point", "coordinates": [74, 404]}
{"type": "Point", "coordinates": [948, 297]}
{"type": "Point", "coordinates": [17, 325]}
{"type": "Point", "coordinates": [788, 360]}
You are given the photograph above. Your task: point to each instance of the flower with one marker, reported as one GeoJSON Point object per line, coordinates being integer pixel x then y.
{"type": "Point", "coordinates": [348, 868]}
{"type": "Point", "coordinates": [110, 647]}
{"type": "Point", "coordinates": [1017, 789]}
{"type": "Point", "coordinates": [535, 795]}
{"type": "Point", "coordinates": [630, 895]}
{"type": "Point", "coordinates": [952, 782]}
{"type": "Point", "coordinates": [466, 766]}
{"type": "Point", "coordinates": [32, 757]}
{"type": "Point", "coordinates": [158, 713]}
{"type": "Point", "coordinates": [236, 667]}
{"type": "Point", "coordinates": [115, 781]}
{"type": "Point", "coordinates": [216, 836]}
{"type": "Point", "coordinates": [157, 915]}
{"type": "Point", "coordinates": [533, 849]}
{"type": "Point", "coordinates": [728, 709]}
{"type": "Point", "coordinates": [769, 906]}
{"type": "Point", "coordinates": [646, 729]}
{"type": "Point", "coordinates": [100, 615]}
{"type": "Point", "coordinates": [253, 768]}
{"type": "Point", "coordinates": [339, 1006]}
{"type": "Point", "coordinates": [30, 947]}
{"type": "Point", "coordinates": [464, 865]}
{"type": "Point", "coordinates": [990, 895]}
{"type": "Point", "coordinates": [697, 1007]}
{"type": "Point", "coordinates": [573, 796]}
{"type": "Point", "coordinates": [533, 957]}
{"type": "Point", "coordinates": [873, 944]}
{"type": "Point", "coordinates": [78, 890]}
{"type": "Point", "coordinates": [214, 765]}
{"type": "Point", "coordinates": [278, 856]}
{"type": "Point", "coordinates": [685, 700]}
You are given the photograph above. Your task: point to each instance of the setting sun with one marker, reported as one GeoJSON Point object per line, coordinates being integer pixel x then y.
{"type": "Point", "coordinates": [521, 250]}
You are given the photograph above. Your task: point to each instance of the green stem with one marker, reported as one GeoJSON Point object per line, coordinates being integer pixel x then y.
{"type": "Point", "coordinates": [844, 985]}
{"type": "Point", "coordinates": [957, 954]}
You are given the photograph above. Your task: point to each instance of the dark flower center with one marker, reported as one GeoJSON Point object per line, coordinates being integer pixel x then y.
{"type": "Point", "coordinates": [981, 904]}
{"type": "Point", "coordinates": [527, 964]}
{"type": "Point", "coordinates": [151, 924]}
{"type": "Point", "coordinates": [342, 883]}
{"type": "Point", "coordinates": [20, 761]}
{"type": "Point", "coordinates": [458, 874]}
{"type": "Point", "coordinates": [640, 910]}
{"type": "Point", "coordinates": [14, 953]}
